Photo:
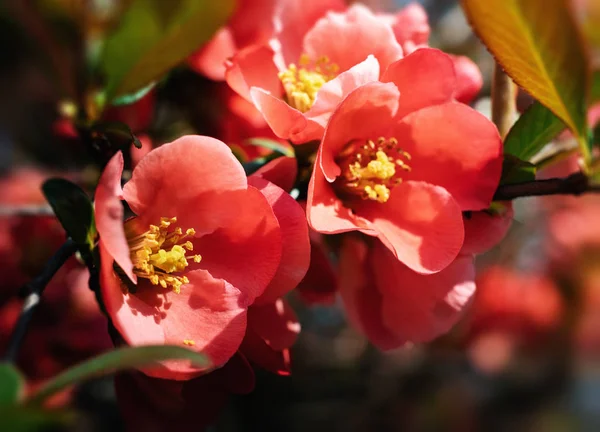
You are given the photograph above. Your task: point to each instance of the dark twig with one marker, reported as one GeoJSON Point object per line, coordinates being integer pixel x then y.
{"type": "Point", "coordinates": [575, 184]}
{"type": "Point", "coordinates": [34, 290]}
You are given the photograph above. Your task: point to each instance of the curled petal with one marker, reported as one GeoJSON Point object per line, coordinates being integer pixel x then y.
{"type": "Point", "coordinates": [281, 172]}
{"type": "Point", "coordinates": [254, 67]}
{"type": "Point", "coordinates": [109, 215]}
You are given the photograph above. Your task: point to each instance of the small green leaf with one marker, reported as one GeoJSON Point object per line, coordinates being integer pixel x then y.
{"type": "Point", "coordinates": [534, 129]}
{"type": "Point", "coordinates": [271, 145]}
{"type": "Point", "coordinates": [27, 419]}
{"type": "Point", "coordinates": [74, 210]}
{"type": "Point", "coordinates": [130, 98]}
{"type": "Point", "coordinates": [153, 36]}
{"type": "Point", "coordinates": [118, 360]}
{"type": "Point", "coordinates": [11, 384]}
{"type": "Point", "coordinates": [515, 170]}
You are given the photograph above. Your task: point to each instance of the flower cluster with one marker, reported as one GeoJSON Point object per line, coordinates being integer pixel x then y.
{"type": "Point", "coordinates": [388, 156]}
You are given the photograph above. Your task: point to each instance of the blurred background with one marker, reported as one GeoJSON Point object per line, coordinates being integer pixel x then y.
{"type": "Point", "coordinates": [525, 357]}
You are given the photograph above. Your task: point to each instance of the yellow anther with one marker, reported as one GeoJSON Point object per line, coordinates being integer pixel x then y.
{"type": "Point", "coordinates": [369, 168]}
{"type": "Point", "coordinates": [302, 84]}
{"type": "Point", "coordinates": [189, 342]}
{"type": "Point", "coordinates": [160, 251]}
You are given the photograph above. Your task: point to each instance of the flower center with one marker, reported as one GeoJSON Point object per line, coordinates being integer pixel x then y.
{"type": "Point", "coordinates": [161, 251]}
{"type": "Point", "coordinates": [302, 84]}
{"type": "Point", "coordinates": [369, 169]}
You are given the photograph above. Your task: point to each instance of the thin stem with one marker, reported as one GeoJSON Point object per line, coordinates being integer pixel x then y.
{"type": "Point", "coordinates": [34, 290]}
{"type": "Point", "coordinates": [504, 103]}
{"type": "Point", "coordinates": [575, 184]}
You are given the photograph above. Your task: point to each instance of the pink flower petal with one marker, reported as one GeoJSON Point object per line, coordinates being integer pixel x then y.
{"type": "Point", "coordinates": [362, 301]}
{"type": "Point", "coordinates": [254, 67]}
{"type": "Point", "coordinates": [210, 60]}
{"type": "Point", "coordinates": [284, 120]}
{"type": "Point", "coordinates": [246, 252]}
{"type": "Point", "coordinates": [366, 113]}
{"type": "Point", "coordinates": [281, 172]}
{"type": "Point", "coordinates": [455, 147]}
{"type": "Point", "coordinates": [276, 323]}
{"type": "Point", "coordinates": [420, 223]}
{"type": "Point", "coordinates": [426, 77]}
{"type": "Point", "coordinates": [325, 211]}
{"type": "Point", "coordinates": [468, 77]}
{"type": "Point", "coordinates": [419, 307]}
{"type": "Point", "coordinates": [411, 27]}
{"type": "Point", "coordinates": [334, 91]}
{"type": "Point", "coordinates": [484, 230]}
{"type": "Point", "coordinates": [109, 214]}
{"type": "Point", "coordinates": [295, 253]}
{"type": "Point", "coordinates": [348, 38]}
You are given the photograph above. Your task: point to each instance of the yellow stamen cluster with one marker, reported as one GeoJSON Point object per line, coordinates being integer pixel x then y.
{"type": "Point", "coordinates": [189, 342]}
{"type": "Point", "coordinates": [369, 169]}
{"type": "Point", "coordinates": [161, 251]}
{"type": "Point", "coordinates": [302, 84]}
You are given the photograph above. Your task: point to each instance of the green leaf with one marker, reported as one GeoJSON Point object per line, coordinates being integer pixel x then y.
{"type": "Point", "coordinates": [11, 384]}
{"type": "Point", "coordinates": [515, 170]}
{"type": "Point", "coordinates": [538, 45]}
{"type": "Point", "coordinates": [74, 210]}
{"type": "Point", "coordinates": [117, 360]}
{"type": "Point", "coordinates": [153, 36]}
{"type": "Point", "coordinates": [534, 129]}
{"type": "Point", "coordinates": [27, 419]}
{"type": "Point", "coordinates": [131, 98]}
{"type": "Point", "coordinates": [271, 145]}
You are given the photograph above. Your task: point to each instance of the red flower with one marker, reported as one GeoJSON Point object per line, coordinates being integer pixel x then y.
{"type": "Point", "coordinates": [297, 87]}
{"type": "Point", "coordinates": [255, 22]}
{"type": "Point", "coordinates": [393, 305]}
{"type": "Point", "coordinates": [404, 168]}
{"type": "Point", "coordinates": [203, 246]}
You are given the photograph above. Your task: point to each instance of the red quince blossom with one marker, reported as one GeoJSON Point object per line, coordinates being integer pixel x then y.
{"type": "Point", "coordinates": [297, 87]}
{"type": "Point", "coordinates": [255, 22]}
{"type": "Point", "coordinates": [403, 168]}
{"type": "Point", "coordinates": [203, 246]}
{"type": "Point", "coordinates": [392, 305]}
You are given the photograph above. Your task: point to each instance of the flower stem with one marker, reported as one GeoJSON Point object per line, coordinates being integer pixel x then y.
{"type": "Point", "coordinates": [34, 290]}
{"type": "Point", "coordinates": [504, 103]}
{"type": "Point", "coordinates": [575, 184]}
